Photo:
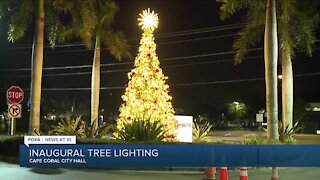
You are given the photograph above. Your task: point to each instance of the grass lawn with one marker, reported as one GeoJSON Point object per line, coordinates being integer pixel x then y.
{"type": "Point", "coordinates": [307, 138]}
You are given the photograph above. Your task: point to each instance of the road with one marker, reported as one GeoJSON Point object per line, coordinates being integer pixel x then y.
{"type": "Point", "coordinates": [15, 172]}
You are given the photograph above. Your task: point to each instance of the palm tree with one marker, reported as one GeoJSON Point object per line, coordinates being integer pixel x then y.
{"type": "Point", "coordinates": [270, 61]}
{"type": "Point", "coordinates": [298, 21]}
{"type": "Point", "coordinates": [91, 21]}
{"type": "Point", "coordinates": [22, 13]}
{"type": "Point", "coordinates": [259, 14]}
{"type": "Point", "coordinates": [254, 24]}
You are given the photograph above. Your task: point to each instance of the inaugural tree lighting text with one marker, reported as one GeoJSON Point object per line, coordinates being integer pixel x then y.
{"type": "Point", "coordinates": [79, 155]}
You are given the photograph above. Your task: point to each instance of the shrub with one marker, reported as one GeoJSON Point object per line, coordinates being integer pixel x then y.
{"type": "Point", "coordinates": [290, 140]}
{"type": "Point", "coordinates": [9, 145]}
{"type": "Point", "coordinates": [100, 132]}
{"type": "Point", "coordinates": [257, 139]}
{"type": "Point", "coordinates": [286, 134]}
{"type": "Point", "coordinates": [254, 139]}
{"type": "Point", "coordinates": [68, 126]}
{"type": "Point", "coordinates": [200, 131]}
{"type": "Point", "coordinates": [142, 130]}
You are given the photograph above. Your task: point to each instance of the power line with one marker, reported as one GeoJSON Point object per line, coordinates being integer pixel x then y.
{"type": "Point", "coordinates": [171, 34]}
{"type": "Point", "coordinates": [45, 46]}
{"type": "Point", "coordinates": [196, 39]}
{"type": "Point", "coordinates": [196, 31]}
{"type": "Point", "coordinates": [172, 85]}
{"type": "Point", "coordinates": [205, 29]}
{"type": "Point", "coordinates": [218, 82]}
{"type": "Point", "coordinates": [207, 55]}
{"type": "Point", "coordinates": [83, 50]}
{"type": "Point", "coordinates": [167, 66]}
{"type": "Point", "coordinates": [239, 80]}
{"type": "Point", "coordinates": [307, 74]}
{"type": "Point", "coordinates": [160, 43]}
{"type": "Point", "coordinates": [127, 70]}
{"type": "Point", "coordinates": [130, 63]}
{"type": "Point", "coordinates": [210, 62]}
{"type": "Point", "coordinates": [179, 33]}
{"type": "Point", "coordinates": [199, 32]}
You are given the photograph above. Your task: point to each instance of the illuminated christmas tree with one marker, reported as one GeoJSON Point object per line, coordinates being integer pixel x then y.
{"type": "Point", "coordinates": [147, 94]}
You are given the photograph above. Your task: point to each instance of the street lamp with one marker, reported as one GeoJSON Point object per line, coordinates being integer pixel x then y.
{"type": "Point", "coordinates": [280, 97]}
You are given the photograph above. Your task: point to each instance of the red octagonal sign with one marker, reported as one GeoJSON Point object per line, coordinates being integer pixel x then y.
{"type": "Point", "coordinates": [15, 95]}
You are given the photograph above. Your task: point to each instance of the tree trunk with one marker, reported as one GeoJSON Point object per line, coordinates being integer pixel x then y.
{"type": "Point", "coordinates": [95, 84]}
{"type": "Point", "coordinates": [36, 73]}
{"type": "Point", "coordinates": [287, 89]}
{"type": "Point", "coordinates": [275, 175]}
{"type": "Point", "coordinates": [270, 58]}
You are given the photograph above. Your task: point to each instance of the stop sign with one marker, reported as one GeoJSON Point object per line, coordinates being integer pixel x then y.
{"type": "Point", "coordinates": [15, 95]}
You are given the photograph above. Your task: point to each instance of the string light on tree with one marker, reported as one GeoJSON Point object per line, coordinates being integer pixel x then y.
{"type": "Point", "coordinates": [147, 94]}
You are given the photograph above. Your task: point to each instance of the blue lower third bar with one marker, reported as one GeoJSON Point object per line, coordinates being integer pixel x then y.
{"type": "Point", "coordinates": [169, 155]}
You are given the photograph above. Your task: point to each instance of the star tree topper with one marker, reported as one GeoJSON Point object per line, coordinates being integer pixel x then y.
{"type": "Point", "coordinates": [148, 19]}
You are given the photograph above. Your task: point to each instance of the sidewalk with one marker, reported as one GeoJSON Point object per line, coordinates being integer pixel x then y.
{"type": "Point", "coordinates": [15, 172]}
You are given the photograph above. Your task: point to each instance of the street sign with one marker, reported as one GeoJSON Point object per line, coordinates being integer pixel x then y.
{"type": "Point", "coordinates": [259, 117]}
{"type": "Point", "coordinates": [14, 110]}
{"type": "Point", "coordinates": [15, 95]}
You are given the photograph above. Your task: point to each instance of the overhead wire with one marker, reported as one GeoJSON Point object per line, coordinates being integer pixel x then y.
{"type": "Point", "coordinates": [171, 34]}
{"type": "Point", "coordinates": [199, 32]}
{"type": "Point", "coordinates": [180, 33]}
{"type": "Point", "coordinates": [126, 70]}
{"type": "Point", "coordinates": [173, 85]}
{"type": "Point", "coordinates": [130, 63]}
{"type": "Point", "coordinates": [54, 50]}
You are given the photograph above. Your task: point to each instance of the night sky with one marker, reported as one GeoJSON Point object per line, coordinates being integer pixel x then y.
{"type": "Point", "coordinates": [198, 84]}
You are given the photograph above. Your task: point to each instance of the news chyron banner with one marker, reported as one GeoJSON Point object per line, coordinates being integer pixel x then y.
{"type": "Point", "coordinates": [63, 152]}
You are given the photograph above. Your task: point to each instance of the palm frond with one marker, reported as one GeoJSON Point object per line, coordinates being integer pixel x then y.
{"type": "Point", "coordinates": [304, 24]}
{"type": "Point", "coordinates": [298, 21]}
{"type": "Point", "coordinates": [20, 19]}
{"type": "Point", "coordinates": [230, 7]}
{"type": "Point", "coordinates": [86, 37]}
{"type": "Point", "coordinates": [83, 20]}
{"type": "Point", "coordinates": [116, 43]}
{"type": "Point", "coordinates": [63, 6]}
{"type": "Point", "coordinates": [66, 33]}
{"type": "Point", "coordinates": [86, 11]}
{"type": "Point", "coordinates": [6, 7]}
{"type": "Point", "coordinates": [252, 33]}
{"type": "Point", "coordinates": [52, 23]}
{"type": "Point", "coordinates": [286, 11]}
{"type": "Point", "coordinates": [106, 12]}
{"type": "Point", "coordinates": [305, 40]}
